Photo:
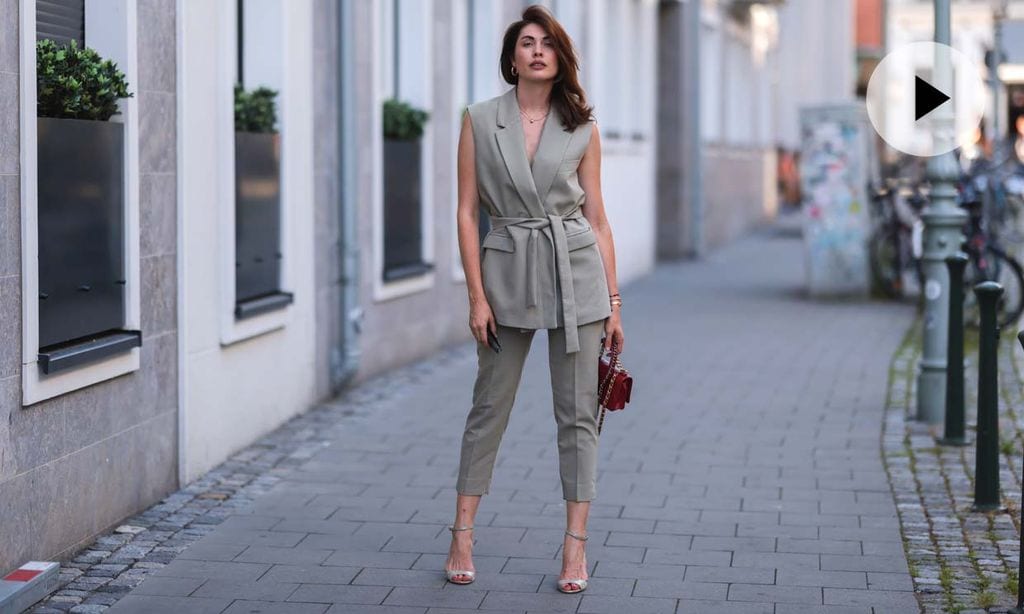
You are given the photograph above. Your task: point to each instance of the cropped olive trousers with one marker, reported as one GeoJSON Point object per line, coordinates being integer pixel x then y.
{"type": "Point", "coordinates": [574, 391]}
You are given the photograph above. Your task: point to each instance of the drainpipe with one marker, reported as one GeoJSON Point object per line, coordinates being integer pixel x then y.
{"type": "Point", "coordinates": [692, 132]}
{"type": "Point", "coordinates": [345, 355]}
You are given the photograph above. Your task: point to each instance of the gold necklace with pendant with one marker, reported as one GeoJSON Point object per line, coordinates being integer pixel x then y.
{"type": "Point", "coordinates": [523, 113]}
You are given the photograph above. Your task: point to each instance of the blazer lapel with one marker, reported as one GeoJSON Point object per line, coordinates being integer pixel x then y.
{"type": "Point", "coordinates": [513, 152]}
{"type": "Point", "coordinates": [554, 140]}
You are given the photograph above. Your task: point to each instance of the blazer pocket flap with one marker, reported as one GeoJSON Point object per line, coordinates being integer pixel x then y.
{"type": "Point", "coordinates": [499, 242]}
{"type": "Point", "coordinates": [580, 239]}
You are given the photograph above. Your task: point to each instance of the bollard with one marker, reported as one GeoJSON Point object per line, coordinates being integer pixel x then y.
{"type": "Point", "coordinates": [986, 458]}
{"type": "Point", "coordinates": [954, 435]}
{"type": "Point", "coordinates": [1020, 559]}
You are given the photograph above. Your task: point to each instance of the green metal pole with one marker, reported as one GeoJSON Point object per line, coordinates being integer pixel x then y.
{"type": "Point", "coordinates": [986, 457]}
{"type": "Point", "coordinates": [942, 235]}
{"type": "Point", "coordinates": [954, 435]}
{"type": "Point", "coordinates": [1020, 559]}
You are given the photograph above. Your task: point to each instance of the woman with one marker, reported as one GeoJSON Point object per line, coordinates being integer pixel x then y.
{"type": "Point", "coordinates": [532, 158]}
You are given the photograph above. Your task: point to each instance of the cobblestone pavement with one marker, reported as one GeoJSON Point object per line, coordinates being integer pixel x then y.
{"type": "Point", "coordinates": [745, 476]}
{"type": "Point", "coordinates": [962, 561]}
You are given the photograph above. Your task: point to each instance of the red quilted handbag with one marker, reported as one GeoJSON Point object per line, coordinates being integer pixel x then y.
{"type": "Point", "coordinates": [614, 383]}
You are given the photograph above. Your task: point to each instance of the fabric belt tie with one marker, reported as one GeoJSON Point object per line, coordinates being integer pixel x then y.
{"type": "Point", "coordinates": [562, 270]}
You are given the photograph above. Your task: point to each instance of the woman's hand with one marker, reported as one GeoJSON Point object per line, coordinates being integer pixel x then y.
{"type": "Point", "coordinates": [613, 330]}
{"type": "Point", "coordinates": [480, 319]}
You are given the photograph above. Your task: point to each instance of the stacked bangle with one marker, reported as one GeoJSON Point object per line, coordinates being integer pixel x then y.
{"type": "Point", "coordinates": [615, 299]}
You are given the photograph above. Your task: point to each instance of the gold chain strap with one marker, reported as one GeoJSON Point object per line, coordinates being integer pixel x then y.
{"type": "Point", "coordinates": [612, 368]}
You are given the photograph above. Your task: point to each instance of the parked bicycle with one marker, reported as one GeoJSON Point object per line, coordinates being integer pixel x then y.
{"type": "Point", "coordinates": [993, 204]}
{"type": "Point", "coordinates": [992, 211]}
{"type": "Point", "coordinates": [895, 243]}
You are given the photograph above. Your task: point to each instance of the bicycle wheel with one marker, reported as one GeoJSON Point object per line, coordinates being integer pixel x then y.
{"type": "Point", "coordinates": [884, 254]}
{"type": "Point", "coordinates": [997, 266]}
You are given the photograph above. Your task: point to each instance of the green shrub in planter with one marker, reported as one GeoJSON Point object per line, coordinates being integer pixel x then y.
{"type": "Point", "coordinates": [255, 111]}
{"type": "Point", "coordinates": [402, 121]}
{"type": "Point", "coordinates": [76, 83]}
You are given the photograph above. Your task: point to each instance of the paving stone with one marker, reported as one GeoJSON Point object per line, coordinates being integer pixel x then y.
{"type": "Point", "coordinates": [774, 594]}
{"type": "Point", "coordinates": [262, 607]}
{"type": "Point", "coordinates": [874, 598]}
{"type": "Point", "coordinates": [727, 575]}
{"type": "Point", "coordinates": [776, 560]}
{"type": "Point", "coordinates": [436, 597]}
{"type": "Point", "coordinates": [614, 605]}
{"type": "Point", "coordinates": [310, 574]}
{"type": "Point", "coordinates": [283, 556]}
{"type": "Point", "coordinates": [168, 587]}
{"type": "Point", "coordinates": [663, 587]}
{"type": "Point", "coordinates": [696, 606]}
{"type": "Point", "coordinates": [266, 590]}
{"type": "Point", "coordinates": [539, 602]}
{"type": "Point", "coordinates": [834, 579]}
{"type": "Point", "coordinates": [150, 604]}
{"type": "Point", "coordinates": [863, 563]}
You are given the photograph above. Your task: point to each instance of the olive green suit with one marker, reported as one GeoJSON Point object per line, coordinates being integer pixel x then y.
{"type": "Point", "coordinates": [541, 268]}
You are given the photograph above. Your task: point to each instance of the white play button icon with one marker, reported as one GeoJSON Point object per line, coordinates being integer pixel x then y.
{"type": "Point", "coordinates": [905, 91]}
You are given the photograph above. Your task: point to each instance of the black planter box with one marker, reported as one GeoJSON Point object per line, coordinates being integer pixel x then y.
{"type": "Point", "coordinates": [258, 224]}
{"type": "Point", "coordinates": [81, 239]}
{"type": "Point", "coordinates": [403, 233]}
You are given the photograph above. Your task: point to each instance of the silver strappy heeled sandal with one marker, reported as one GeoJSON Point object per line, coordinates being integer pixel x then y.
{"type": "Point", "coordinates": [563, 585]}
{"type": "Point", "coordinates": [452, 573]}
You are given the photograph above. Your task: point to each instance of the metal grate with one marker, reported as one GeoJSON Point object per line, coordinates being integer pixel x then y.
{"type": "Point", "coordinates": [61, 21]}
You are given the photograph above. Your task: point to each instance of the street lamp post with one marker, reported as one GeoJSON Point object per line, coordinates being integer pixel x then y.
{"type": "Point", "coordinates": [943, 221]}
{"type": "Point", "coordinates": [998, 16]}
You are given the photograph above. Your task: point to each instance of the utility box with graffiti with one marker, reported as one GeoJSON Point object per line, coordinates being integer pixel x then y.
{"type": "Point", "coordinates": [836, 164]}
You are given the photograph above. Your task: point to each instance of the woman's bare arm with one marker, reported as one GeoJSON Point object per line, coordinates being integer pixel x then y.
{"type": "Point", "coordinates": [468, 219]}
{"type": "Point", "coordinates": [593, 209]}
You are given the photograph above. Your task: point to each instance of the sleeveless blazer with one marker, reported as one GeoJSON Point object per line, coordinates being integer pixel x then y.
{"type": "Point", "coordinates": [540, 263]}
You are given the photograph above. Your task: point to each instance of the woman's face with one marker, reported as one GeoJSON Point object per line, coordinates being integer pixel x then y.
{"type": "Point", "coordinates": [535, 58]}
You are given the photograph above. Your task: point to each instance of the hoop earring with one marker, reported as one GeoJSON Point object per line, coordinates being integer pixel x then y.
{"type": "Point", "coordinates": [515, 73]}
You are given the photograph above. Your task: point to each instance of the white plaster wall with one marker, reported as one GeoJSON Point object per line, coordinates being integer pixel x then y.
{"type": "Point", "coordinates": [627, 186]}
{"type": "Point", "coordinates": [232, 394]}
{"type": "Point", "coordinates": [816, 58]}
{"type": "Point", "coordinates": [623, 95]}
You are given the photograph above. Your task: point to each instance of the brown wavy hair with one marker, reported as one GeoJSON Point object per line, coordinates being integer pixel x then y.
{"type": "Point", "coordinates": [567, 95]}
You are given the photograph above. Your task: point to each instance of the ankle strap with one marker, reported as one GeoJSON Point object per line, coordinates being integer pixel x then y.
{"type": "Point", "coordinates": [582, 538]}
{"type": "Point", "coordinates": [455, 528]}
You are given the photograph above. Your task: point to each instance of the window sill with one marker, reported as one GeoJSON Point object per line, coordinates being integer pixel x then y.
{"type": "Point", "coordinates": [254, 318]}
{"type": "Point", "coordinates": [263, 304]}
{"type": "Point", "coordinates": [407, 271]}
{"type": "Point", "coordinates": [66, 356]}
{"type": "Point", "coordinates": [37, 386]}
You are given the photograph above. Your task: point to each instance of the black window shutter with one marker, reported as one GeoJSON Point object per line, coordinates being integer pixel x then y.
{"type": "Point", "coordinates": [61, 21]}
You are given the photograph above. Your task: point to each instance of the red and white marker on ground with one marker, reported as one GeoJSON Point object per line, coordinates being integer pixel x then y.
{"type": "Point", "coordinates": [26, 585]}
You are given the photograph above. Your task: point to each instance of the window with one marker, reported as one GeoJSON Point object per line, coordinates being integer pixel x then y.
{"type": "Point", "coordinates": [258, 253]}
{"type": "Point", "coordinates": [403, 245]}
{"type": "Point", "coordinates": [61, 21]}
{"type": "Point", "coordinates": [80, 210]}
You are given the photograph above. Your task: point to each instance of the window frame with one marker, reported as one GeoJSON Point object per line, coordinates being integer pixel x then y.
{"type": "Point", "coordinates": [384, 76]}
{"type": "Point", "coordinates": [111, 28]}
{"type": "Point", "coordinates": [234, 329]}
